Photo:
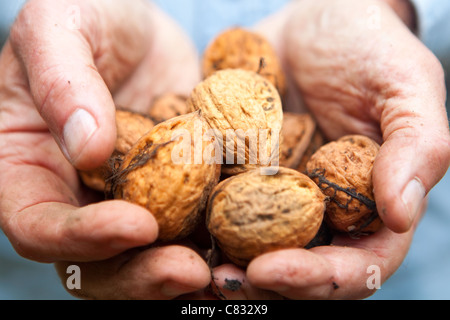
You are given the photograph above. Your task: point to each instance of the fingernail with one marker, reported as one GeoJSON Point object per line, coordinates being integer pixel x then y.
{"type": "Point", "coordinates": [413, 197]}
{"type": "Point", "coordinates": [78, 129]}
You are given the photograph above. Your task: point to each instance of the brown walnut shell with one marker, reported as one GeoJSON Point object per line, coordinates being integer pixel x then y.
{"type": "Point", "coordinates": [161, 174]}
{"type": "Point", "coordinates": [300, 139]}
{"type": "Point", "coordinates": [318, 140]}
{"type": "Point", "coordinates": [343, 171]}
{"type": "Point", "coordinates": [250, 214]}
{"type": "Point", "coordinates": [168, 106]}
{"type": "Point", "coordinates": [244, 109]}
{"type": "Point", "coordinates": [238, 48]}
{"type": "Point", "coordinates": [131, 126]}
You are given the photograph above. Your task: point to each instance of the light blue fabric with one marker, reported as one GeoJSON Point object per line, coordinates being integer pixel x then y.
{"type": "Point", "coordinates": [8, 12]}
{"type": "Point", "coordinates": [425, 272]}
{"type": "Point", "coordinates": [204, 19]}
{"type": "Point", "coordinates": [434, 27]}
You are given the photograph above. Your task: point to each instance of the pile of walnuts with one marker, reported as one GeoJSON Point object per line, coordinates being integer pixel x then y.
{"type": "Point", "coordinates": [228, 161]}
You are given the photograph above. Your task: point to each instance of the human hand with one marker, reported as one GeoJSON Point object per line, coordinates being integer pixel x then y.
{"type": "Point", "coordinates": [63, 70]}
{"type": "Point", "coordinates": [358, 69]}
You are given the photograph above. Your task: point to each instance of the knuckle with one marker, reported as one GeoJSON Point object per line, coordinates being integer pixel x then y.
{"type": "Point", "coordinates": [49, 86]}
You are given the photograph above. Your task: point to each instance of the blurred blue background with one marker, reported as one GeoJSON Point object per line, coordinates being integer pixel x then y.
{"type": "Point", "coordinates": [425, 272]}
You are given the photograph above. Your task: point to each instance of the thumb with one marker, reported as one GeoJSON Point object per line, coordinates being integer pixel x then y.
{"type": "Point", "coordinates": [416, 151]}
{"type": "Point", "coordinates": [59, 58]}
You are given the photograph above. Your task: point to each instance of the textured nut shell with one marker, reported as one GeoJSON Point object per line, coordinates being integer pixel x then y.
{"type": "Point", "coordinates": [347, 164]}
{"type": "Point", "coordinates": [250, 214]}
{"type": "Point", "coordinates": [131, 126]}
{"type": "Point", "coordinates": [174, 193]}
{"type": "Point", "coordinates": [240, 101]}
{"type": "Point", "coordinates": [237, 48]}
{"type": "Point", "coordinates": [168, 106]}
{"type": "Point", "coordinates": [316, 142]}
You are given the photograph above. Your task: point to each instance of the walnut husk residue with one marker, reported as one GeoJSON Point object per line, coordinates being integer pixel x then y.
{"type": "Point", "coordinates": [245, 108]}
{"type": "Point", "coordinates": [343, 171]}
{"type": "Point", "coordinates": [249, 214]}
{"type": "Point", "coordinates": [161, 174]}
{"type": "Point", "coordinates": [131, 126]}
{"type": "Point", "coordinates": [239, 48]}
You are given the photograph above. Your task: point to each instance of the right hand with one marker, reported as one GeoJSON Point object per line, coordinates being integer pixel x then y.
{"type": "Point", "coordinates": [357, 78]}
{"type": "Point", "coordinates": [65, 67]}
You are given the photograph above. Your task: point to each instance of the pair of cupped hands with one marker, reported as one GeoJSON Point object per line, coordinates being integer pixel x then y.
{"type": "Point", "coordinates": [60, 83]}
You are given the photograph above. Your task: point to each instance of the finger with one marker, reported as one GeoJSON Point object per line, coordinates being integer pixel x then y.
{"type": "Point", "coordinates": [53, 231]}
{"type": "Point", "coordinates": [156, 273]}
{"type": "Point", "coordinates": [348, 269]}
{"type": "Point", "coordinates": [230, 282]}
{"type": "Point", "coordinates": [61, 63]}
{"type": "Point", "coordinates": [363, 265]}
{"type": "Point", "coordinates": [415, 153]}
{"type": "Point", "coordinates": [40, 195]}
{"type": "Point", "coordinates": [46, 224]}
{"type": "Point", "coordinates": [293, 273]}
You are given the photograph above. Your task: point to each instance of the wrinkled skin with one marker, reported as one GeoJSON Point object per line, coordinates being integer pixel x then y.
{"type": "Point", "coordinates": [354, 79]}
{"type": "Point", "coordinates": [50, 69]}
{"type": "Point", "coordinates": [380, 82]}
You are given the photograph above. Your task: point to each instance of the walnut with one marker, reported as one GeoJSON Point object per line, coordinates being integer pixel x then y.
{"type": "Point", "coordinates": [131, 126]}
{"type": "Point", "coordinates": [245, 111]}
{"type": "Point", "coordinates": [343, 171]}
{"type": "Point", "coordinates": [318, 140]}
{"type": "Point", "coordinates": [250, 213]}
{"type": "Point", "coordinates": [238, 48]}
{"type": "Point", "coordinates": [301, 138]}
{"type": "Point", "coordinates": [168, 106]}
{"type": "Point", "coordinates": [161, 173]}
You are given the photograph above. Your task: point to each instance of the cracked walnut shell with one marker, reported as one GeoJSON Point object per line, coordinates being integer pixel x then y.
{"type": "Point", "coordinates": [250, 214]}
{"type": "Point", "coordinates": [160, 173]}
{"type": "Point", "coordinates": [245, 111]}
{"type": "Point", "coordinates": [343, 171]}
{"type": "Point", "coordinates": [238, 48]}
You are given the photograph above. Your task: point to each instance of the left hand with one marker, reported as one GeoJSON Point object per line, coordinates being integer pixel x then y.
{"type": "Point", "coordinates": [59, 85]}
